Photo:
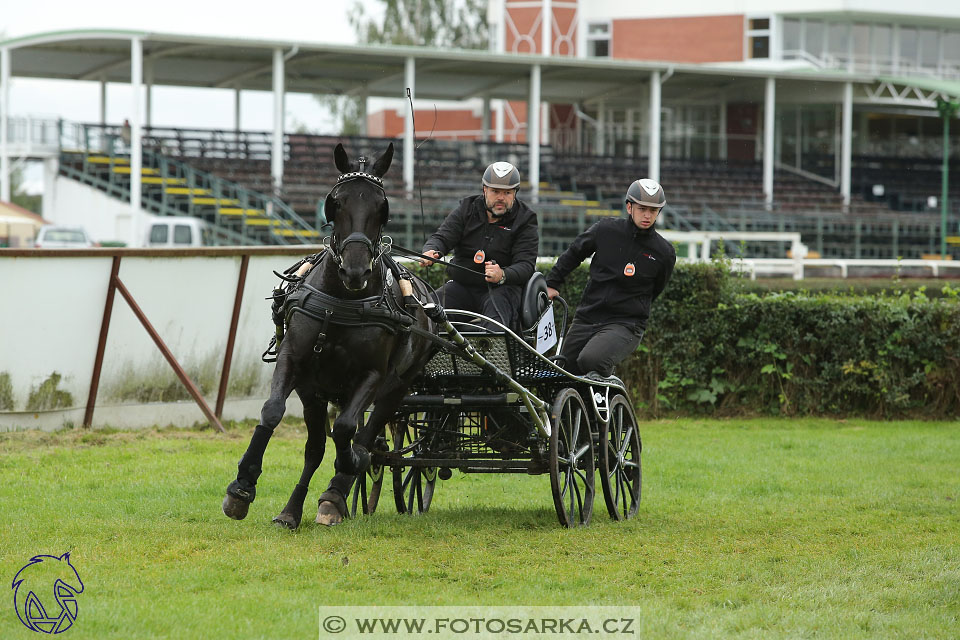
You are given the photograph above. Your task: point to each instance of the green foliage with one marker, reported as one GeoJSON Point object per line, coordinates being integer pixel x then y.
{"type": "Point", "coordinates": [6, 392]}
{"type": "Point", "coordinates": [459, 24]}
{"type": "Point", "coordinates": [48, 396]}
{"type": "Point", "coordinates": [447, 24]}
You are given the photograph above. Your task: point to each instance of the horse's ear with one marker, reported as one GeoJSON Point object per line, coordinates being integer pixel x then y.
{"type": "Point", "coordinates": [330, 208]}
{"type": "Point", "coordinates": [383, 162]}
{"type": "Point", "coordinates": [341, 160]}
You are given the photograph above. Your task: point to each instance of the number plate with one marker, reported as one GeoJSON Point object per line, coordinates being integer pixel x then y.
{"type": "Point", "coordinates": [546, 332]}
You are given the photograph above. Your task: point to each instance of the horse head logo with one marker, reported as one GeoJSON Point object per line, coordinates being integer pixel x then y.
{"type": "Point", "coordinates": [32, 589]}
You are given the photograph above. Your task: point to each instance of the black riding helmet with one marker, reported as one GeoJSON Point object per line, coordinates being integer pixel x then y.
{"type": "Point", "coordinates": [501, 175]}
{"type": "Point", "coordinates": [647, 192]}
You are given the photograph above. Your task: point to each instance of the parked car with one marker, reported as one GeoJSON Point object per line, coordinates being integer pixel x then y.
{"type": "Point", "coordinates": [57, 237]}
{"type": "Point", "coordinates": [178, 231]}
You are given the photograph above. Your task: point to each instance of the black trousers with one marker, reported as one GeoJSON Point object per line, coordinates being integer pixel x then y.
{"type": "Point", "coordinates": [598, 347]}
{"type": "Point", "coordinates": [500, 302]}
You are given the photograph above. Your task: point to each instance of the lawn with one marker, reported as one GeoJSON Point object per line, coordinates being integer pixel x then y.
{"type": "Point", "coordinates": [764, 528]}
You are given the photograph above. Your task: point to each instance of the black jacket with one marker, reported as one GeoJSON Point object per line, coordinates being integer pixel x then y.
{"type": "Point", "coordinates": [512, 242]}
{"type": "Point", "coordinates": [612, 296]}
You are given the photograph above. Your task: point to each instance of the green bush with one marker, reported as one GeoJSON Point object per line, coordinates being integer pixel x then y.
{"type": "Point", "coordinates": [719, 345]}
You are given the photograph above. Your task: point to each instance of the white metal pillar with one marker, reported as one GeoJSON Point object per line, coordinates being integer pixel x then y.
{"type": "Point", "coordinates": [236, 109]}
{"type": "Point", "coordinates": [769, 118]}
{"type": "Point", "coordinates": [136, 141]}
{"type": "Point", "coordinates": [601, 128]}
{"type": "Point", "coordinates": [103, 102]}
{"type": "Point", "coordinates": [276, 153]}
{"type": "Point", "coordinates": [846, 143]}
{"type": "Point", "coordinates": [364, 99]}
{"type": "Point", "coordinates": [722, 146]}
{"type": "Point", "coordinates": [501, 119]}
{"type": "Point", "coordinates": [148, 78]}
{"type": "Point", "coordinates": [485, 119]}
{"type": "Point", "coordinates": [410, 78]}
{"type": "Point", "coordinates": [533, 132]}
{"type": "Point", "coordinates": [654, 171]}
{"type": "Point", "coordinates": [4, 124]}
{"type": "Point", "coordinates": [546, 45]}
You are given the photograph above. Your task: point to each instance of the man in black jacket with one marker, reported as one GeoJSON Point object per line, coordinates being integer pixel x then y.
{"type": "Point", "coordinates": [495, 236]}
{"type": "Point", "coordinates": [631, 265]}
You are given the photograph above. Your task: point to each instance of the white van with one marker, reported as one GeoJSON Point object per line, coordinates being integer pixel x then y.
{"type": "Point", "coordinates": [178, 232]}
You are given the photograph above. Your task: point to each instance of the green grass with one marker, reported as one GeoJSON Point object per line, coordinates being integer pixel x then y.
{"type": "Point", "coordinates": [753, 529]}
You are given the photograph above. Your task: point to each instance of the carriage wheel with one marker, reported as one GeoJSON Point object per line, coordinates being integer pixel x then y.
{"type": "Point", "coordinates": [412, 486]}
{"type": "Point", "coordinates": [620, 471]}
{"type": "Point", "coordinates": [571, 460]}
{"type": "Point", "coordinates": [366, 488]}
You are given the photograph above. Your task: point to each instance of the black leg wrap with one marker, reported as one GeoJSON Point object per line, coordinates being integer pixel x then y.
{"type": "Point", "coordinates": [359, 461]}
{"type": "Point", "coordinates": [336, 498]}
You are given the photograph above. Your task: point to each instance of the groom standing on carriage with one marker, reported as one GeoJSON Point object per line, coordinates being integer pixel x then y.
{"type": "Point", "coordinates": [494, 235]}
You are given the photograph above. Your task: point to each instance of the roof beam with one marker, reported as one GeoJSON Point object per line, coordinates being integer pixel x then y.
{"type": "Point", "coordinates": [102, 70]}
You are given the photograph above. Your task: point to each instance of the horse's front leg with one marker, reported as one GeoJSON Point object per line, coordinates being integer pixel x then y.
{"type": "Point", "coordinates": [242, 491]}
{"type": "Point", "coordinates": [351, 459]}
{"type": "Point", "coordinates": [315, 417]}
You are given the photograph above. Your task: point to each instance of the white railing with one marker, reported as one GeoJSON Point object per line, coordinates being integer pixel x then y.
{"type": "Point", "coordinates": [33, 137]}
{"type": "Point", "coordinates": [790, 266]}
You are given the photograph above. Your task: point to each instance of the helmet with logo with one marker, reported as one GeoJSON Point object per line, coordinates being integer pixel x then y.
{"type": "Point", "coordinates": [647, 192]}
{"type": "Point", "coordinates": [501, 175]}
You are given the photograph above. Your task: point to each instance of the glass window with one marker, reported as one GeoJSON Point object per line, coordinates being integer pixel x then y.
{"type": "Point", "coordinates": [182, 234]}
{"type": "Point", "coordinates": [158, 234]}
{"type": "Point", "coordinates": [838, 39]}
{"type": "Point", "coordinates": [760, 23]}
{"type": "Point", "coordinates": [598, 39]}
{"type": "Point", "coordinates": [929, 48]}
{"type": "Point", "coordinates": [882, 42]}
{"type": "Point", "coordinates": [908, 45]}
{"type": "Point", "coordinates": [813, 39]}
{"type": "Point", "coordinates": [760, 46]}
{"type": "Point", "coordinates": [951, 46]}
{"type": "Point", "coordinates": [791, 34]}
{"type": "Point", "coordinates": [861, 42]}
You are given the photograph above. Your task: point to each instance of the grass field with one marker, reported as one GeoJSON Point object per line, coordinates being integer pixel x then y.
{"type": "Point", "coordinates": [754, 529]}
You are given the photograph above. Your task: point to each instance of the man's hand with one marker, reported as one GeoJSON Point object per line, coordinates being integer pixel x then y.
{"type": "Point", "coordinates": [493, 272]}
{"type": "Point", "coordinates": [553, 293]}
{"type": "Point", "coordinates": [429, 263]}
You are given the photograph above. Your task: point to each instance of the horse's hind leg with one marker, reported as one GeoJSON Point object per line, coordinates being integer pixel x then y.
{"type": "Point", "coordinates": [332, 506]}
{"type": "Point", "coordinates": [242, 491]}
{"type": "Point", "coordinates": [315, 417]}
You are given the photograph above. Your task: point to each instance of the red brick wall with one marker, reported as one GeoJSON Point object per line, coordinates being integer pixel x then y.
{"type": "Point", "coordinates": [702, 39]}
{"type": "Point", "coordinates": [449, 123]}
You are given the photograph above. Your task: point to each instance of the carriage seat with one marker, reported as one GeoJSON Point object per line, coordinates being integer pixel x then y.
{"type": "Point", "coordinates": [534, 302]}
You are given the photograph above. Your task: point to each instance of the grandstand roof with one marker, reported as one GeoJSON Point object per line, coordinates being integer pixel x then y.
{"type": "Point", "coordinates": [310, 67]}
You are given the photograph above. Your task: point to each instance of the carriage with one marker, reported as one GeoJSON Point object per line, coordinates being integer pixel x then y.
{"type": "Point", "coordinates": [497, 402]}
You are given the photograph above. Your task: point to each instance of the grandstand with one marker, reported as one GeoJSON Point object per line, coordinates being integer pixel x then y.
{"type": "Point", "coordinates": [818, 122]}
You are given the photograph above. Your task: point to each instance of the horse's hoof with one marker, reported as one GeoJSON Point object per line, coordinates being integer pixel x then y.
{"type": "Point", "coordinates": [287, 521]}
{"type": "Point", "coordinates": [327, 514]}
{"type": "Point", "coordinates": [234, 507]}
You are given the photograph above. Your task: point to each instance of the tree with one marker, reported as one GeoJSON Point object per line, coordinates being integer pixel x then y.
{"type": "Point", "coordinates": [448, 24]}
{"type": "Point", "coordinates": [18, 194]}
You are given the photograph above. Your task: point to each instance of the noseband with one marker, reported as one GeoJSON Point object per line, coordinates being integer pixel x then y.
{"type": "Point", "coordinates": [337, 247]}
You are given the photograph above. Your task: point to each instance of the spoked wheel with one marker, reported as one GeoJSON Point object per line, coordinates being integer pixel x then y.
{"type": "Point", "coordinates": [412, 486]}
{"type": "Point", "coordinates": [366, 488]}
{"type": "Point", "coordinates": [620, 472]}
{"type": "Point", "coordinates": [571, 460]}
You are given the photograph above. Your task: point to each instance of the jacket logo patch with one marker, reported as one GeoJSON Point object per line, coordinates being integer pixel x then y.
{"type": "Point", "coordinates": [649, 257]}
{"type": "Point", "coordinates": [629, 270]}
{"type": "Point", "coordinates": [479, 256]}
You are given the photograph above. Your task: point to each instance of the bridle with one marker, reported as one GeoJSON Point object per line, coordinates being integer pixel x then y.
{"type": "Point", "coordinates": [358, 237]}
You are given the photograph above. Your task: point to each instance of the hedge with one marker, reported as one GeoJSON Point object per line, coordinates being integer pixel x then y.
{"type": "Point", "coordinates": [715, 346]}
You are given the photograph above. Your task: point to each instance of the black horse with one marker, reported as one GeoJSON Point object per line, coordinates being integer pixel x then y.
{"type": "Point", "coordinates": [350, 340]}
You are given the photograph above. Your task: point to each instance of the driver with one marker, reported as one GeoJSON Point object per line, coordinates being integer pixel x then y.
{"type": "Point", "coordinates": [631, 265]}
{"type": "Point", "coordinates": [495, 236]}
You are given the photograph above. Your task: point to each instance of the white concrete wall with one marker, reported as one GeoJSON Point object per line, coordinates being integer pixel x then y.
{"type": "Point", "coordinates": [68, 202]}
{"type": "Point", "coordinates": [606, 9]}
{"type": "Point", "coordinates": [51, 323]}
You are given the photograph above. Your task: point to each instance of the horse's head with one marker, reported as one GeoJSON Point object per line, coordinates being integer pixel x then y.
{"type": "Point", "coordinates": [358, 209]}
